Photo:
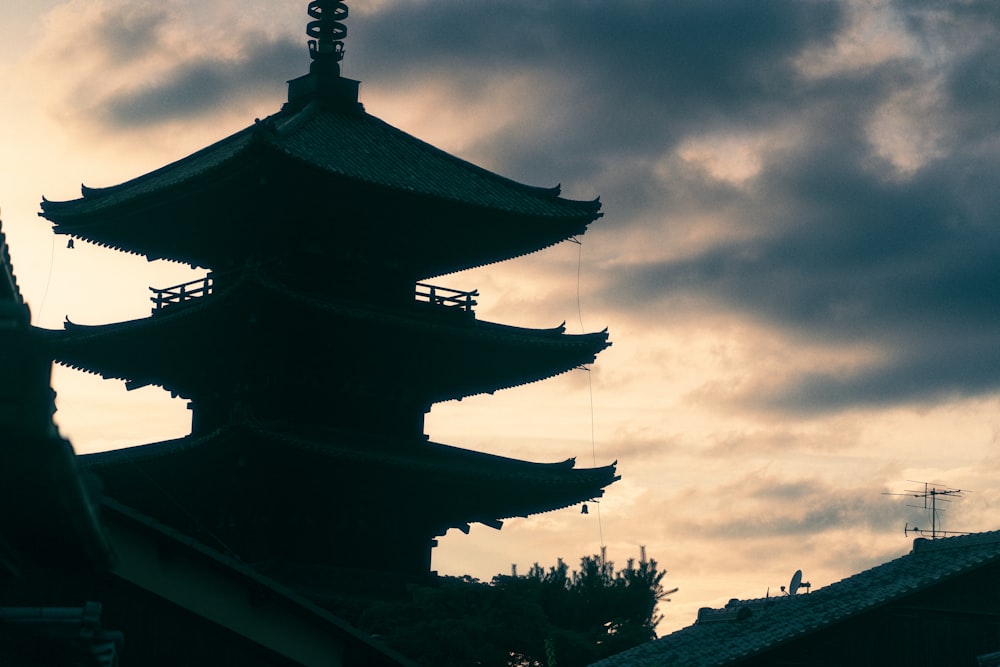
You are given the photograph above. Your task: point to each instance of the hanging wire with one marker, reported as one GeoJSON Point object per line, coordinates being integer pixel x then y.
{"type": "Point", "coordinates": [590, 381]}
{"type": "Point", "coordinates": [579, 264]}
{"type": "Point", "coordinates": [48, 280]}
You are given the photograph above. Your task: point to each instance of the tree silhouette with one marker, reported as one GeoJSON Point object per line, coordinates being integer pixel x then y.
{"type": "Point", "coordinates": [544, 618]}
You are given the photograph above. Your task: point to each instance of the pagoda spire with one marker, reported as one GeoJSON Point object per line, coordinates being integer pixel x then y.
{"type": "Point", "coordinates": [326, 49]}
{"type": "Point", "coordinates": [327, 30]}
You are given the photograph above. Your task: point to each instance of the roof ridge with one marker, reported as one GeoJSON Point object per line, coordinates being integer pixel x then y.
{"type": "Point", "coordinates": [554, 191]}
{"type": "Point", "coordinates": [246, 134]}
{"type": "Point", "coordinates": [750, 627]}
{"type": "Point", "coordinates": [923, 544]}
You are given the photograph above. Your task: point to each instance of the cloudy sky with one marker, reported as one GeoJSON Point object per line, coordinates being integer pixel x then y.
{"type": "Point", "coordinates": [797, 263]}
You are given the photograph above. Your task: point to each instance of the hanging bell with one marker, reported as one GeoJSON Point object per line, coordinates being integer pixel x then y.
{"type": "Point", "coordinates": [69, 244]}
{"type": "Point", "coordinates": [584, 510]}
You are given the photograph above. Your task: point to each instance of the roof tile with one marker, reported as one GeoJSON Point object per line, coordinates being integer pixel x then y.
{"type": "Point", "coordinates": [721, 636]}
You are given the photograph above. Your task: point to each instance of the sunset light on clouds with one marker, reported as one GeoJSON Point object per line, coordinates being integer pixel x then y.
{"type": "Point", "coordinates": [798, 260]}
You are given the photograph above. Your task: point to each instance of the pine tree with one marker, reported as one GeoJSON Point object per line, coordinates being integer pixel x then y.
{"type": "Point", "coordinates": [542, 619]}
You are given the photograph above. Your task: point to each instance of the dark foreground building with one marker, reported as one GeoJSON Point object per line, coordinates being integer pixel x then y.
{"type": "Point", "coordinates": [86, 583]}
{"type": "Point", "coordinates": [309, 353]}
{"type": "Point", "coordinates": [937, 606]}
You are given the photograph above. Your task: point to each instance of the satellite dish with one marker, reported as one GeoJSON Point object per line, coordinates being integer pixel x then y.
{"type": "Point", "coordinates": [796, 582]}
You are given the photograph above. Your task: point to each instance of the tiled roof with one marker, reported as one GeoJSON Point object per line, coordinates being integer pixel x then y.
{"type": "Point", "coordinates": [355, 146]}
{"type": "Point", "coordinates": [529, 488]}
{"type": "Point", "coordinates": [362, 147]}
{"type": "Point", "coordinates": [205, 161]}
{"type": "Point", "coordinates": [521, 355]}
{"type": "Point", "coordinates": [357, 186]}
{"type": "Point", "coordinates": [749, 627]}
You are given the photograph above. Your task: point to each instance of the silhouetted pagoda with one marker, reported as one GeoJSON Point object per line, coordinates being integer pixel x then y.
{"type": "Point", "coordinates": [313, 347]}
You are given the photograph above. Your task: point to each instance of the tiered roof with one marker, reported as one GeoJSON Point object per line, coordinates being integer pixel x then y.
{"type": "Point", "coordinates": [459, 355]}
{"type": "Point", "coordinates": [336, 173]}
{"type": "Point", "coordinates": [316, 222]}
{"type": "Point", "coordinates": [431, 475]}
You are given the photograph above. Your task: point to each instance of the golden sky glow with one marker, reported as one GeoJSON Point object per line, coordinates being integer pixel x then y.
{"type": "Point", "coordinates": [796, 263]}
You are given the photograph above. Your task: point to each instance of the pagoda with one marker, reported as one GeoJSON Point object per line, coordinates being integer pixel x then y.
{"type": "Point", "coordinates": [315, 344]}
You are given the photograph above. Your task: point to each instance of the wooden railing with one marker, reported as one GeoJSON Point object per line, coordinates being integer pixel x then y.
{"type": "Point", "coordinates": [449, 298]}
{"type": "Point", "coordinates": [424, 292]}
{"type": "Point", "coordinates": [181, 293]}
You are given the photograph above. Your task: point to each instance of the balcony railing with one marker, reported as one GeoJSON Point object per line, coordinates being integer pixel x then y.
{"type": "Point", "coordinates": [180, 293]}
{"type": "Point", "coordinates": [424, 292]}
{"type": "Point", "coordinates": [449, 298]}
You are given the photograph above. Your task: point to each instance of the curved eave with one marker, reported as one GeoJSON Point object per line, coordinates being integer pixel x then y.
{"type": "Point", "coordinates": [516, 365]}
{"type": "Point", "coordinates": [416, 454]}
{"type": "Point", "coordinates": [561, 352]}
{"type": "Point", "coordinates": [457, 358]}
{"type": "Point", "coordinates": [147, 215]}
{"type": "Point", "coordinates": [432, 271]}
{"type": "Point", "coordinates": [332, 151]}
{"type": "Point", "coordinates": [503, 487]}
{"type": "Point", "coordinates": [102, 349]}
{"type": "Point", "coordinates": [97, 201]}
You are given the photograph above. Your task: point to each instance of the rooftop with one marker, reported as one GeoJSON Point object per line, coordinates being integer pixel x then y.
{"type": "Point", "coordinates": [318, 157]}
{"type": "Point", "coordinates": [744, 628]}
{"type": "Point", "coordinates": [505, 487]}
{"type": "Point", "coordinates": [355, 146]}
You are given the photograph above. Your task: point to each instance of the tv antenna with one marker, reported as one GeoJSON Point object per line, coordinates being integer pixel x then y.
{"type": "Point", "coordinates": [929, 497]}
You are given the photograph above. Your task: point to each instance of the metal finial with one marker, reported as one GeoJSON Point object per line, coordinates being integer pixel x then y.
{"type": "Point", "coordinates": [327, 30]}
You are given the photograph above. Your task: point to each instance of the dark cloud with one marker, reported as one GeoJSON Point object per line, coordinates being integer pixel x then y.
{"type": "Point", "coordinates": [717, 52]}
{"type": "Point", "coordinates": [969, 31]}
{"type": "Point", "coordinates": [206, 85]}
{"type": "Point", "coordinates": [780, 439]}
{"type": "Point", "coordinates": [630, 77]}
{"type": "Point", "coordinates": [974, 89]}
{"type": "Point", "coordinates": [830, 239]}
{"type": "Point", "coordinates": [799, 509]}
{"type": "Point", "coordinates": [844, 248]}
{"type": "Point", "coordinates": [910, 267]}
